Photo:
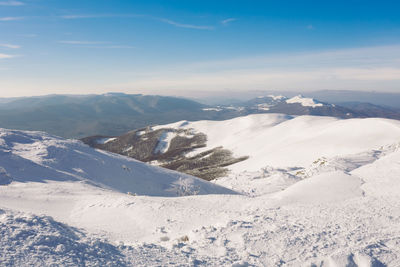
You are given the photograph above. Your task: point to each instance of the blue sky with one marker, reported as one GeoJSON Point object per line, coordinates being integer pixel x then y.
{"type": "Point", "coordinates": [197, 47]}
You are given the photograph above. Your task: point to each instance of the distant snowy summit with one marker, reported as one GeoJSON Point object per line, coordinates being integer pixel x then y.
{"type": "Point", "coordinates": [304, 101]}
{"type": "Point", "coordinates": [300, 105]}
{"type": "Point", "coordinates": [273, 100]}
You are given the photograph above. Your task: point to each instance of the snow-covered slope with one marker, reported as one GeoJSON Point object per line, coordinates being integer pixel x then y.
{"type": "Point", "coordinates": [340, 208]}
{"type": "Point", "coordinates": [280, 140]}
{"type": "Point", "coordinates": [38, 157]}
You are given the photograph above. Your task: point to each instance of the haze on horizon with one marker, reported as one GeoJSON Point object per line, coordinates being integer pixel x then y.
{"type": "Point", "coordinates": [197, 47]}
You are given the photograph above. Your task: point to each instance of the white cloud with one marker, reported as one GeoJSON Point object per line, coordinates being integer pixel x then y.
{"type": "Point", "coordinates": [94, 16]}
{"type": "Point", "coordinates": [11, 3]}
{"type": "Point", "coordinates": [4, 56]}
{"type": "Point", "coordinates": [374, 68]}
{"type": "Point", "coordinates": [368, 68]}
{"type": "Point", "coordinates": [85, 16]}
{"type": "Point", "coordinates": [113, 46]}
{"type": "Point", "coordinates": [91, 44]}
{"type": "Point", "coordinates": [11, 46]}
{"type": "Point", "coordinates": [29, 35]}
{"type": "Point", "coordinates": [75, 42]}
{"type": "Point", "coordinates": [10, 18]}
{"type": "Point", "coordinates": [168, 21]}
{"type": "Point", "coordinates": [228, 21]}
{"type": "Point", "coordinates": [189, 26]}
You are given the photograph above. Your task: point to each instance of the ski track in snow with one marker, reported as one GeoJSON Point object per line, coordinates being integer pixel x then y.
{"type": "Point", "coordinates": [164, 142]}
{"type": "Point", "coordinates": [341, 210]}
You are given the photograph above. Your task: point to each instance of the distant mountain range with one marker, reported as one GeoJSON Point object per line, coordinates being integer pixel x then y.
{"type": "Point", "coordinates": [299, 105]}
{"type": "Point", "coordinates": [114, 114]}
{"type": "Point", "coordinates": [108, 114]}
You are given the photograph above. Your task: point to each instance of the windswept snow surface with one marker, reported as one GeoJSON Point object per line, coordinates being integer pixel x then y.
{"type": "Point", "coordinates": [339, 209]}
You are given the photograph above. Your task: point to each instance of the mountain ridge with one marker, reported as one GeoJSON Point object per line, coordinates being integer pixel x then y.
{"type": "Point", "coordinates": [213, 149]}
{"type": "Point", "coordinates": [78, 116]}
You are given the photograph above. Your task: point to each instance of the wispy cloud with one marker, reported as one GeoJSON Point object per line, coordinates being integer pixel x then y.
{"type": "Point", "coordinates": [310, 27]}
{"type": "Point", "coordinates": [115, 46]}
{"type": "Point", "coordinates": [28, 35]}
{"type": "Point", "coordinates": [182, 25]}
{"type": "Point", "coordinates": [10, 18]}
{"type": "Point", "coordinates": [4, 56]}
{"type": "Point", "coordinates": [92, 44]}
{"type": "Point", "coordinates": [369, 68]}
{"type": "Point", "coordinates": [227, 21]}
{"type": "Point", "coordinates": [11, 46]}
{"type": "Point", "coordinates": [94, 16]}
{"type": "Point", "coordinates": [85, 16]}
{"type": "Point", "coordinates": [75, 42]}
{"type": "Point", "coordinates": [11, 3]}
{"type": "Point", "coordinates": [168, 21]}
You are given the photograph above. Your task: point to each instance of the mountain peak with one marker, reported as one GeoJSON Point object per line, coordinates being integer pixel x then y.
{"type": "Point", "coordinates": [304, 101]}
{"type": "Point", "coordinates": [277, 97]}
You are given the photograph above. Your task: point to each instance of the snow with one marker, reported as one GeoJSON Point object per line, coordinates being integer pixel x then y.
{"type": "Point", "coordinates": [304, 101]}
{"type": "Point", "coordinates": [38, 157]}
{"type": "Point", "coordinates": [140, 133]}
{"type": "Point", "coordinates": [263, 107]}
{"type": "Point", "coordinates": [128, 149]}
{"type": "Point", "coordinates": [381, 177]}
{"type": "Point", "coordinates": [282, 141]}
{"type": "Point", "coordinates": [103, 141]}
{"type": "Point", "coordinates": [212, 109]}
{"type": "Point", "coordinates": [40, 239]}
{"type": "Point", "coordinates": [277, 97]}
{"type": "Point", "coordinates": [327, 187]}
{"type": "Point", "coordinates": [164, 142]}
{"type": "Point", "coordinates": [341, 207]}
{"type": "Point", "coordinates": [4, 177]}
{"type": "Point", "coordinates": [235, 108]}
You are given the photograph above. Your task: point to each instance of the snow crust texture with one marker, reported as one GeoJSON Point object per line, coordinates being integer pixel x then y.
{"type": "Point", "coordinates": [28, 240]}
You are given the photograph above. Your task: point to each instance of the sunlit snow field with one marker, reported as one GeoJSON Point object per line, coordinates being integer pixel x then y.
{"type": "Point", "coordinates": [315, 191]}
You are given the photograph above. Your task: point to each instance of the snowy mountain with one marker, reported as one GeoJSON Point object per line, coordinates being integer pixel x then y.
{"type": "Point", "coordinates": [212, 149]}
{"type": "Point", "coordinates": [297, 105]}
{"type": "Point", "coordinates": [315, 191]}
{"type": "Point", "coordinates": [38, 157]}
{"type": "Point", "coordinates": [300, 105]}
